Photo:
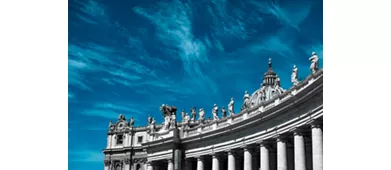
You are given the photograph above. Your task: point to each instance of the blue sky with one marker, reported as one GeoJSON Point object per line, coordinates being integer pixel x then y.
{"type": "Point", "coordinates": [129, 57]}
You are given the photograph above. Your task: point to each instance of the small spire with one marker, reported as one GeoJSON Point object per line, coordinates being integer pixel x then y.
{"type": "Point", "coordinates": [270, 62]}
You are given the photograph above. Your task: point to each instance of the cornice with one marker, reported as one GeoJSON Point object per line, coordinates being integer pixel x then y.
{"type": "Point", "coordinates": [287, 105]}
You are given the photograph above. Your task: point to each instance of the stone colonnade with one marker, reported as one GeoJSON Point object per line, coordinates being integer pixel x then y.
{"type": "Point", "coordinates": [302, 154]}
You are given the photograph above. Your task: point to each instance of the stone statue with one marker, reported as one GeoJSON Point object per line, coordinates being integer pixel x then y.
{"type": "Point", "coordinates": [186, 121]}
{"type": "Point", "coordinates": [111, 126]}
{"type": "Point", "coordinates": [231, 107]}
{"type": "Point", "coordinates": [166, 123]}
{"type": "Point", "coordinates": [173, 121]}
{"type": "Point", "coordinates": [215, 112]}
{"type": "Point", "coordinates": [246, 97]}
{"type": "Point", "coordinates": [183, 114]}
{"type": "Point", "coordinates": [121, 117]}
{"type": "Point", "coordinates": [294, 76]}
{"type": "Point", "coordinates": [201, 115]}
{"type": "Point", "coordinates": [167, 110]}
{"type": "Point", "coordinates": [152, 125]}
{"type": "Point", "coordinates": [131, 122]}
{"type": "Point", "coordinates": [224, 112]}
{"type": "Point", "coordinates": [149, 119]}
{"type": "Point", "coordinates": [314, 62]}
{"type": "Point", "coordinates": [193, 114]}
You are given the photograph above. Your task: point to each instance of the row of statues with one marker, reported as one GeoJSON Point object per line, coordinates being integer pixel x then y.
{"type": "Point", "coordinates": [169, 112]}
{"type": "Point", "coordinates": [314, 67]}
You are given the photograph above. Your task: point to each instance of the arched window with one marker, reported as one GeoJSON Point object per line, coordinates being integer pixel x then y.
{"type": "Point", "coordinates": [138, 167]}
{"type": "Point", "coordinates": [118, 167]}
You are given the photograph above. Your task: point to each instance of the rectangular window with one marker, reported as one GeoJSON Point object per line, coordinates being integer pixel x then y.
{"type": "Point", "coordinates": [140, 139]}
{"type": "Point", "coordinates": [120, 139]}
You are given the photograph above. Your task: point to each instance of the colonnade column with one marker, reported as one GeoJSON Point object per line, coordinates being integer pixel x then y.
{"type": "Point", "coordinates": [299, 150]}
{"type": "Point", "coordinates": [247, 158]}
{"type": "Point", "coordinates": [215, 162]}
{"type": "Point", "coordinates": [264, 154]}
{"type": "Point", "coordinates": [317, 145]}
{"type": "Point", "coordinates": [149, 165]}
{"type": "Point", "coordinates": [200, 163]}
{"type": "Point", "coordinates": [282, 163]}
{"type": "Point", "coordinates": [170, 165]}
{"type": "Point", "coordinates": [231, 160]}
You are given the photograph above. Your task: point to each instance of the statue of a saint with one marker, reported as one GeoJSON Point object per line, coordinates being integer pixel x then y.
{"type": "Point", "coordinates": [314, 62]}
{"type": "Point", "coordinates": [215, 112]}
{"type": "Point", "coordinates": [231, 107]}
{"type": "Point", "coordinates": [186, 121]}
{"type": "Point", "coordinates": [193, 114]}
{"type": "Point", "coordinates": [173, 121]}
{"type": "Point", "coordinates": [201, 115]}
{"type": "Point", "coordinates": [152, 126]}
{"type": "Point", "coordinates": [246, 97]}
{"type": "Point", "coordinates": [224, 112]}
{"type": "Point", "coordinates": [166, 123]}
{"type": "Point", "coordinates": [111, 126]}
{"type": "Point", "coordinates": [121, 117]}
{"type": "Point", "coordinates": [149, 119]}
{"type": "Point", "coordinates": [294, 76]}
{"type": "Point", "coordinates": [131, 122]}
{"type": "Point", "coordinates": [183, 114]}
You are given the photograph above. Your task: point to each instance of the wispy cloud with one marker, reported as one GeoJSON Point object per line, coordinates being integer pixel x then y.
{"type": "Point", "coordinates": [291, 14]}
{"type": "Point", "coordinates": [87, 156]}
{"type": "Point", "coordinates": [111, 111]}
{"type": "Point", "coordinates": [92, 12]}
{"type": "Point", "coordinates": [174, 30]}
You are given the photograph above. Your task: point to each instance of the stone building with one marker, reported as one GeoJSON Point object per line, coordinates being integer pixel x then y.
{"type": "Point", "coordinates": [276, 129]}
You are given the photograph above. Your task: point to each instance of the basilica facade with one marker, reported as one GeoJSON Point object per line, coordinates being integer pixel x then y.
{"type": "Point", "coordinates": [276, 129]}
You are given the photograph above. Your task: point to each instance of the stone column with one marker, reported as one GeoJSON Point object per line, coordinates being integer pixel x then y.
{"type": "Point", "coordinates": [264, 154]}
{"type": "Point", "coordinates": [282, 163]}
{"type": "Point", "coordinates": [317, 145]}
{"type": "Point", "coordinates": [299, 150]}
{"type": "Point", "coordinates": [170, 165]}
{"type": "Point", "coordinates": [247, 163]}
{"type": "Point", "coordinates": [215, 162]}
{"type": "Point", "coordinates": [231, 160]}
{"type": "Point", "coordinates": [127, 164]}
{"type": "Point", "coordinates": [149, 166]}
{"type": "Point", "coordinates": [200, 163]}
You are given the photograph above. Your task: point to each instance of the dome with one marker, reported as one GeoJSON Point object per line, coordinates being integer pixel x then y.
{"type": "Point", "coordinates": [270, 87]}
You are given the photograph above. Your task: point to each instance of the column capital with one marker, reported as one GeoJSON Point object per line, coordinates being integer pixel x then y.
{"type": "Point", "coordinates": [229, 151]}
{"type": "Point", "coordinates": [169, 160]}
{"type": "Point", "coordinates": [263, 143]}
{"type": "Point", "coordinates": [297, 131]}
{"type": "Point", "coordinates": [148, 162]}
{"type": "Point", "coordinates": [215, 154]}
{"type": "Point", "coordinates": [280, 138]}
{"type": "Point", "coordinates": [315, 123]}
{"type": "Point", "coordinates": [200, 157]}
